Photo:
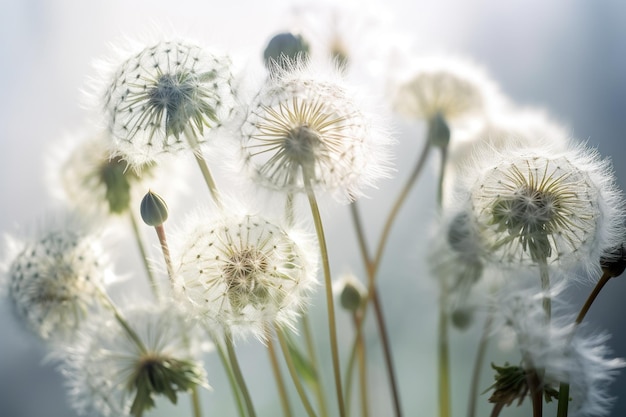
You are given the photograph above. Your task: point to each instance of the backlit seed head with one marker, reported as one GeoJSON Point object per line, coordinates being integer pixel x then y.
{"type": "Point", "coordinates": [166, 98]}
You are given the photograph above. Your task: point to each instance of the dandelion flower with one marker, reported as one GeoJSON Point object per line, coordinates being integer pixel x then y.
{"type": "Point", "coordinates": [537, 205]}
{"type": "Point", "coordinates": [54, 279]}
{"type": "Point", "coordinates": [113, 370]}
{"type": "Point", "coordinates": [244, 272]}
{"type": "Point", "coordinates": [303, 129]}
{"type": "Point", "coordinates": [168, 92]}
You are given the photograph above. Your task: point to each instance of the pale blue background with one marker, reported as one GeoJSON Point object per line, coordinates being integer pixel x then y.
{"type": "Point", "coordinates": [567, 56]}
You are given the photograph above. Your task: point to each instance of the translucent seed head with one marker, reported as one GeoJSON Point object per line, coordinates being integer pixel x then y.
{"type": "Point", "coordinates": [302, 127]}
{"type": "Point", "coordinates": [244, 272]}
{"type": "Point", "coordinates": [110, 373]}
{"type": "Point", "coordinates": [536, 206]}
{"type": "Point", "coordinates": [54, 280]}
{"type": "Point", "coordinates": [165, 94]}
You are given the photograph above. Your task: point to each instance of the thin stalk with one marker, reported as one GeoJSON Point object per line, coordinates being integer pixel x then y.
{"type": "Point", "coordinates": [122, 321]}
{"type": "Point", "coordinates": [160, 230]}
{"type": "Point", "coordinates": [478, 365]}
{"type": "Point", "coordinates": [231, 379]}
{"type": "Point", "coordinates": [310, 348]}
{"type": "Point", "coordinates": [545, 286]}
{"type": "Point", "coordinates": [144, 256]}
{"type": "Point", "coordinates": [241, 382]}
{"type": "Point", "coordinates": [362, 371]}
{"type": "Point", "coordinates": [289, 210]}
{"type": "Point", "coordinates": [536, 393]}
{"type": "Point", "coordinates": [443, 361]}
{"type": "Point", "coordinates": [195, 402]}
{"type": "Point", "coordinates": [332, 327]}
{"type": "Point", "coordinates": [204, 168]}
{"type": "Point", "coordinates": [294, 373]}
{"type": "Point", "coordinates": [563, 387]}
{"type": "Point", "coordinates": [280, 382]}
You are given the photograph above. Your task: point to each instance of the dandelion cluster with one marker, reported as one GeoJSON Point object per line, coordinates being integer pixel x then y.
{"type": "Point", "coordinates": [521, 211]}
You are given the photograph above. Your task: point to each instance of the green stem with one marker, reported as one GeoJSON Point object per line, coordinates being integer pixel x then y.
{"type": "Point", "coordinates": [362, 370]}
{"type": "Point", "coordinates": [122, 321]}
{"type": "Point", "coordinates": [204, 168]}
{"type": "Point", "coordinates": [241, 382]}
{"type": "Point", "coordinates": [231, 379]}
{"type": "Point", "coordinates": [294, 373]}
{"type": "Point", "coordinates": [144, 256]}
{"type": "Point", "coordinates": [444, 356]}
{"type": "Point", "coordinates": [563, 404]}
{"type": "Point", "coordinates": [310, 347]}
{"type": "Point", "coordinates": [332, 328]}
{"type": "Point", "coordinates": [545, 286]}
{"type": "Point", "coordinates": [478, 365]}
{"type": "Point", "coordinates": [280, 382]}
{"type": "Point", "coordinates": [195, 402]}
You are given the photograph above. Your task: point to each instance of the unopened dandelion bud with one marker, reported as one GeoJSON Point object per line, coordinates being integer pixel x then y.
{"type": "Point", "coordinates": [285, 48]}
{"type": "Point", "coordinates": [613, 263]}
{"type": "Point", "coordinates": [154, 210]}
{"type": "Point", "coordinates": [352, 294]}
{"type": "Point", "coordinates": [462, 317]}
{"type": "Point", "coordinates": [438, 131]}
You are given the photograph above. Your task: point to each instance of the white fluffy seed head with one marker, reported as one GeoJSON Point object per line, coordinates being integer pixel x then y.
{"type": "Point", "coordinates": [531, 205]}
{"type": "Point", "coordinates": [54, 279]}
{"type": "Point", "coordinates": [304, 127]}
{"type": "Point", "coordinates": [167, 97]}
{"type": "Point", "coordinates": [109, 373]}
{"type": "Point", "coordinates": [444, 85]}
{"type": "Point", "coordinates": [243, 272]}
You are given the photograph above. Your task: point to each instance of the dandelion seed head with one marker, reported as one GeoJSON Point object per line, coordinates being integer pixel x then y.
{"type": "Point", "coordinates": [535, 206]}
{"type": "Point", "coordinates": [447, 86]}
{"type": "Point", "coordinates": [109, 373]}
{"type": "Point", "coordinates": [305, 128]}
{"type": "Point", "coordinates": [166, 93]}
{"type": "Point", "coordinates": [244, 272]}
{"type": "Point", "coordinates": [54, 279]}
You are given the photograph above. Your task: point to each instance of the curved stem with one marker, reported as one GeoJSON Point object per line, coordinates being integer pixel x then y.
{"type": "Point", "coordinates": [308, 339]}
{"type": "Point", "coordinates": [241, 382]}
{"type": "Point", "coordinates": [280, 382]}
{"type": "Point", "coordinates": [144, 256]}
{"type": "Point", "coordinates": [563, 387]}
{"type": "Point", "coordinates": [332, 328]}
{"type": "Point", "coordinates": [293, 372]}
{"type": "Point", "coordinates": [122, 321]}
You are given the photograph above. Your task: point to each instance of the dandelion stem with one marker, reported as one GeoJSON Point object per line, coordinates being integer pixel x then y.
{"type": "Point", "coordinates": [478, 364]}
{"type": "Point", "coordinates": [122, 321]}
{"type": "Point", "coordinates": [332, 327]}
{"type": "Point", "coordinates": [144, 256]}
{"type": "Point", "coordinates": [204, 167]}
{"type": "Point", "coordinates": [231, 379]}
{"type": "Point", "coordinates": [293, 372]}
{"type": "Point", "coordinates": [160, 230]}
{"type": "Point", "coordinates": [195, 402]}
{"type": "Point", "coordinates": [563, 387]}
{"type": "Point", "coordinates": [310, 347]}
{"type": "Point", "coordinates": [362, 370]}
{"type": "Point", "coordinates": [280, 382]}
{"type": "Point", "coordinates": [444, 355]}
{"type": "Point", "coordinates": [241, 382]}
{"type": "Point", "coordinates": [545, 286]}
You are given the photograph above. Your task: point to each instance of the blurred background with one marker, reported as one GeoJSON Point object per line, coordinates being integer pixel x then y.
{"type": "Point", "coordinates": [568, 57]}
